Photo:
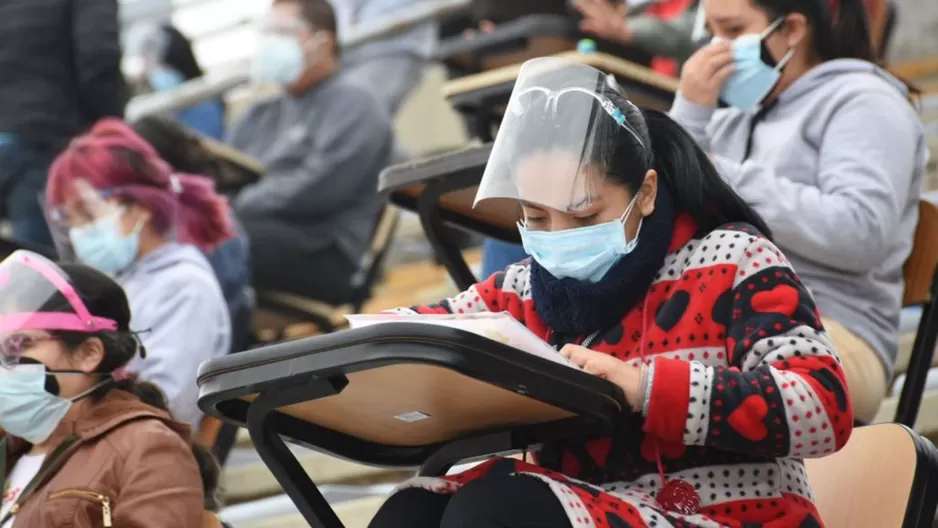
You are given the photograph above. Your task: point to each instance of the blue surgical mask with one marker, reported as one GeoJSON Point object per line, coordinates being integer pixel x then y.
{"type": "Point", "coordinates": [584, 253]}
{"type": "Point", "coordinates": [753, 79]}
{"type": "Point", "coordinates": [279, 60]}
{"type": "Point", "coordinates": [102, 246]}
{"type": "Point", "coordinates": [162, 79]}
{"type": "Point", "coordinates": [27, 409]}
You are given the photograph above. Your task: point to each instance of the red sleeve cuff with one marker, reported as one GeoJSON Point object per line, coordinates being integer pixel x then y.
{"type": "Point", "coordinates": [669, 399]}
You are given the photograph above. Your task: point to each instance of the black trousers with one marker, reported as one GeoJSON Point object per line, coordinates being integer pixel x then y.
{"type": "Point", "coordinates": [281, 263]}
{"type": "Point", "coordinates": [497, 501]}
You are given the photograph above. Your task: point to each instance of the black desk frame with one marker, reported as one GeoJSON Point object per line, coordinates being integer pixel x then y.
{"type": "Point", "coordinates": [923, 351]}
{"type": "Point", "coordinates": [923, 497]}
{"type": "Point", "coordinates": [318, 368]}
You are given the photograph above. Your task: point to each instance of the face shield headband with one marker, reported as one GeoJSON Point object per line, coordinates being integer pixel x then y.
{"type": "Point", "coordinates": [79, 321]}
{"type": "Point", "coordinates": [552, 99]}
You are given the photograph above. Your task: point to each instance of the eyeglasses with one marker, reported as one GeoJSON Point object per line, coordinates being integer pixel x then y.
{"type": "Point", "coordinates": [13, 346]}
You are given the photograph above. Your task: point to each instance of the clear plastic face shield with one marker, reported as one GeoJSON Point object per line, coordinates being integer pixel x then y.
{"type": "Point", "coordinates": [29, 283]}
{"type": "Point", "coordinates": [84, 208]}
{"type": "Point", "coordinates": [36, 298]}
{"type": "Point", "coordinates": [549, 151]}
{"type": "Point", "coordinates": [95, 227]}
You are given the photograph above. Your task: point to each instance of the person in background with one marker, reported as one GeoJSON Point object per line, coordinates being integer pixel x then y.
{"type": "Point", "coordinates": [493, 12]}
{"type": "Point", "coordinates": [323, 142]}
{"type": "Point", "coordinates": [662, 29]}
{"type": "Point", "coordinates": [647, 270]}
{"type": "Point", "coordinates": [231, 260]}
{"type": "Point", "coordinates": [81, 439]}
{"type": "Point", "coordinates": [827, 148]}
{"type": "Point", "coordinates": [391, 67]}
{"type": "Point", "coordinates": [168, 62]}
{"type": "Point", "coordinates": [60, 73]}
{"type": "Point", "coordinates": [118, 207]}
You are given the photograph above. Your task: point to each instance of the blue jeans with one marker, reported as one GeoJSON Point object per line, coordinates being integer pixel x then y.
{"type": "Point", "coordinates": [497, 255]}
{"type": "Point", "coordinates": [231, 262]}
{"type": "Point", "coordinates": [23, 171]}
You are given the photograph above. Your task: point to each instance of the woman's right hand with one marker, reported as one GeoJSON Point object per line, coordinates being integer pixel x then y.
{"type": "Point", "coordinates": [604, 20]}
{"type": "Point", "coordinates": [705, 72]}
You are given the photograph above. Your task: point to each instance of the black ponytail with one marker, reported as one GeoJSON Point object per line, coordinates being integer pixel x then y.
{"type": "Point", "coordinates": [694, 183]}
{"type": "Point", "coordinates": [849, 36]}
{"type": "Point", "coordinates": [839, 31]}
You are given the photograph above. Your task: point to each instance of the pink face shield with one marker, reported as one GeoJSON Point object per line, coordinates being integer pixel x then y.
{"type": "Point", "coordinates": [32, 289]}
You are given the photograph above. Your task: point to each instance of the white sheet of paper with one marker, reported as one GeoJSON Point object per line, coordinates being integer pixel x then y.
{"type": "Point", "coordinates": [501, 327]}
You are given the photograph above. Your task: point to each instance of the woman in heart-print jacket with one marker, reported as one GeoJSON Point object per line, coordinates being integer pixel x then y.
{"type": "Point", "coordinates": [691, 309]}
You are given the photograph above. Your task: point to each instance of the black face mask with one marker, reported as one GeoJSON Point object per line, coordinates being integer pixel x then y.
{"type": "Point", "coordinates": [52, 384]}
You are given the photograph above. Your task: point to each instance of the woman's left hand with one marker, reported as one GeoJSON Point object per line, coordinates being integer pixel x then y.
{"type": "Point", "coordinates": [605, 366]}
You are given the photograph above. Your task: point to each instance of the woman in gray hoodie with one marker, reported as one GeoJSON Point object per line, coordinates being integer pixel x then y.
{"type": "Point", "coordinates": [122, 210]}
{"type": "Point", "coordinates": [826, 147]}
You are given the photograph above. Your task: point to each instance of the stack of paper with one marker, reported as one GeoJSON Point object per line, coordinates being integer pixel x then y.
{"type": "Point", "coordinates": [501, 327]}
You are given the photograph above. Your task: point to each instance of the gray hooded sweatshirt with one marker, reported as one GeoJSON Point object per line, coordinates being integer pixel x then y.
{"type": "Point", "coordinates": [835, 168]}
{"type": "Point", "coordinates": [181, 314]}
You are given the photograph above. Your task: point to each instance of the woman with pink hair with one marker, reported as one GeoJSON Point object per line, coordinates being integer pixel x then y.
{"type": "Point", "coordinates": [115, 205]}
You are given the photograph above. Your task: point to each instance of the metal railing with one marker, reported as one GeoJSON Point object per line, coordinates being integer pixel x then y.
{"type": "Point", "coordinates": [210, 86]}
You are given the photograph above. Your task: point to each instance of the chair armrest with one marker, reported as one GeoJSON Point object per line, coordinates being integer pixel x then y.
{"type": "Point", "coordinates": [506, 37]}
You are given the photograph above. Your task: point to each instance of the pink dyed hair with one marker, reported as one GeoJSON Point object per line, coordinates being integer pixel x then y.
{"type": "Point", "coordinates": [112, 157]}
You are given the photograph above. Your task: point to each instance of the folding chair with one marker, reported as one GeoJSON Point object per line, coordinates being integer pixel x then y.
{"type": "Point", "coordinates": [278, 310]}
{"type": "Point", "coordinates": [398, 395]}
{"type": "Point", "coordinates": [886, 476]}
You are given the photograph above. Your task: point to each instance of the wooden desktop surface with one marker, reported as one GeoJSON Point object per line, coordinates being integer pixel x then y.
{"type": "Point", "coordinates": [601, 61]}
{"type": "Point", "coordinates": [377, 403]}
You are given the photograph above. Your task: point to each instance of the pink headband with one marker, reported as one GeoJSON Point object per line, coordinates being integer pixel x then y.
{"type": "Point", "coordinates": [80, 321]}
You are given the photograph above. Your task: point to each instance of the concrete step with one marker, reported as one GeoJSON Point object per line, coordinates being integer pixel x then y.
{"type": "Point", "coordinates": [246, 478]}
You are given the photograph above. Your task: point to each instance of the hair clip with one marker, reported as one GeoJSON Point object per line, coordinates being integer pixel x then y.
{"type": "Point", "coordinates": [175, 184]}
{"type": "Point", "coordinates": [141, 350]}
{"type": "Point", "coordinates": [121, 374]}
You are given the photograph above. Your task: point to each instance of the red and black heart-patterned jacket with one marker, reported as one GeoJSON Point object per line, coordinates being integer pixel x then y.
{"type": "Point", "coordinates": [743, 382]}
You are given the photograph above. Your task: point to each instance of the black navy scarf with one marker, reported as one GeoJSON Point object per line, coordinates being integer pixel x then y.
{"type": "Point", "coordinates": [572, 307]}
